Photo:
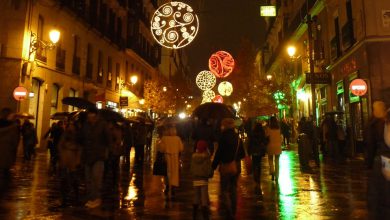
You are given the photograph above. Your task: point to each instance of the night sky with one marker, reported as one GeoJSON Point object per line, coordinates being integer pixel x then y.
{"type": "Point", "coordinates": [222, 25]}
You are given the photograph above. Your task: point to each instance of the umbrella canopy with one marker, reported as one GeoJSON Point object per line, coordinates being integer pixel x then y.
{"type": "Point", "coordinates": [24, 116]}
{"type": "Point", "coordinates": [213, 110]}
{"type": "Point", "coordinates": [111, 115]}
{"type": "Point", "coordinates": [63, 115]}
{"type": "Point", "coordinates": [78, 102]}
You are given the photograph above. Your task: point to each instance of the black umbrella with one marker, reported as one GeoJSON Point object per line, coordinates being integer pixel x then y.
{"type": "Point", "coordinates": [78, 102]}
{"type": "Point", "coordinates": [24, 116]}
{"type": "Point", "coordinates": [213, 110]}
{"type": "Point", "coordinates": [63, 115]}
{"type": "Point", "coordinates": [111, 115]}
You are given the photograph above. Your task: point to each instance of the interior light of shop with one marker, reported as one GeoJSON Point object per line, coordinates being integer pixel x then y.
{"type": "Point", "coordinates": [301, 95]}
{"type": "Point", "coordinates": [142, 101]}
{"type": "Point", "coordinates": [99, 105]}
{"type": "Point", "coordinates": [31, 95]}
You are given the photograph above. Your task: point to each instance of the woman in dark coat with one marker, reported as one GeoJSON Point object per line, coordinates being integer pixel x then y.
{"type": "Point", "coordinates": [29, 139]}
{"type": "Point", "coordinates": [9, 139]}
{"type": "Point", "coordinates": [257, 147]}
{"type": "Point", "coordinates": [229, 149]}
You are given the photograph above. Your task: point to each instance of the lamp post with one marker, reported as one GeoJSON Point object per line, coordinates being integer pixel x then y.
{"type": "Point", "coordinates": [36, 43]}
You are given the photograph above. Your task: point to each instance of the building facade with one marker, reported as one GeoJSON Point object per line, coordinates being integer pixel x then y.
{"type": "Point", "coordinates": [349, 40]}
{"type": "Point", "coordinates": [102, 45]}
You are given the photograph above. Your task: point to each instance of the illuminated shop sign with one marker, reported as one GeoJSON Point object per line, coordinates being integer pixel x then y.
{"type": "Point", "coordinates": [268, 11]}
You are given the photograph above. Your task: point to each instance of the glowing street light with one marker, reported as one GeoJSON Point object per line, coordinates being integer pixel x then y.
{"type": "Point", "coordinates": [164, 88]}
{"type": "Point", "coordinates": [54, 36]}
{"type": "Point", "coordinates": [291, 50]}
{"type": "Point", "coordinates": [134, 79]}
{"type": "Point", "coordinates": [269, 77]}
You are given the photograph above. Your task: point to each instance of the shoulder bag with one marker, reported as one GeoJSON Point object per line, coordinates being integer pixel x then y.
{"type": "Point", "coordinates": [230, 169]}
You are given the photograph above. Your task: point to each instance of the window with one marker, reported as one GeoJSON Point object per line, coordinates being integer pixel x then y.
{"type": "Point", "coordinates": [60, 57]}
{"type": "Point", "coordinates": [72, 93]}
{"type": "Point", "coordinates": [100, 67]}
{"type": "Point", "coordinates": [117, 75]}
{"type": "Point", "coordinates": [127, 71]}
{"type": "Point", "coordinates": [109, 72]}
{"type": "Point", "coordinates": [76, 58]}
{"type": "Point", "coordinates": [89, 69]}
{"type": "Point", "coordinates": [40, 53]}
{"type": "Point", "coordinates": [54, 98]}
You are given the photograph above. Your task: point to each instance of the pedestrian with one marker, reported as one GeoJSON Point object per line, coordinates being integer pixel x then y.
{"type": "Point", "coordinates": [378, 187]}
{"type": "Point", "coordinates": [341, 138]}
{"type": "Point", "coordinates": [172, 146]}
{"type": "Point", "coordinates": [140, 141]}
{"type": "Point", "coordinates": [54, 134]}
{"type": "Point", "coordinates": [257, 148]}
{"type": "Point", "coordinates": [30, 139]}
{"type": "Point", "coordinates": [9, 140]}
{"type": "Point", "coordinates": [115, 151]}
{"type": "Point", "coordinates": [330, 137]}
{"type": "Point", "coordinates": [274, 148]}
{"type": "Point", "coordinates": [230, 150]}
{"type": "Point", "coordinates": [285, 129]}
{"type": "Point", "coordinates": [95, 139]}
{"type": "Point", "coordinates": [201, 171]}
{"type": "Point", "coordinates": [69, 149]}
{"type": "Point", "coordinates": [204, 131]}
{"type": "Point", "coordinates": [128, 140]}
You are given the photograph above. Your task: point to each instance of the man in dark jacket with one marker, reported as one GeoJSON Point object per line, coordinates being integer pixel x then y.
{"type": "Point", "coordinates": [229, 148]}
{"type": "Point", "coordinates": [9, 139]}
{"type": "Point", "coordinates": [95, 139]}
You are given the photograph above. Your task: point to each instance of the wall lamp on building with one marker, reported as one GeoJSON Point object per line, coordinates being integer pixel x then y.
{"type": "Point", "coordinates": [36, 43]}
{"type": "Point", "coordinates": [134, 79]}
{"type": "Point", "coordinates": [291, 50]}
{"type": "Point", "coordinates": [165, 89]}
{"type": "Point", "coordinates": [269, 77]}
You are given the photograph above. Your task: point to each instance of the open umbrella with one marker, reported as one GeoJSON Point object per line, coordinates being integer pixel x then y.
{"type": "Point", "coordinates": [213, 110]}
{"type": "Point", "coordinates": [24, 116]}
{"type": "Point", "coordinates": [78, 102]}
{"type": "Point", "coordinates": [63, 115]}
{"type": "Point", "coordinates": [111, 115]}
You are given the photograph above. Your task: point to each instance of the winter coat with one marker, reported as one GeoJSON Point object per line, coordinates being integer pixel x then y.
{"type": "Point", "coordinates": [117, 148]}
{"type": "Point", "coordinates": [274, 146]}
{"type": "Point", "coordinates": [95, 140]}
{"type": "Point", "coordinates": [373, 139]}
{"type": "Point", "coordinates": [172, 146]}
{"type": "Point", "coordinates": [201, 166]}
{"type": "Point", "coordinates": [257, 142]}
{"type": "Point", "coordinates": [69, 151]}
{"type": "Point", "coordinates": [9, 139]}
{"type": "Point", "coordinates": [227, 147]}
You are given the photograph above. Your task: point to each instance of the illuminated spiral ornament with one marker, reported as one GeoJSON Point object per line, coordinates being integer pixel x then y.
{"type": "Point", "coordinates": [174, 25]}
{"type": "Point", "coordinates": [221, 64]}
{"type": "Point", "coordinates": [205, 80]}
{"type": "Point", "coordinates": [225, 88]}
{"type": "Point", "coordinates": [208, 95]}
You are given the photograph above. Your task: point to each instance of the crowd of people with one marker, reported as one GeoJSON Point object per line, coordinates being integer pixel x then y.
{"type": "Point", "coordinates": [93, 145]}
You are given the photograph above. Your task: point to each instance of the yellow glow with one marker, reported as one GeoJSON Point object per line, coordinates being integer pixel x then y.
{"type": "Point", "coordinates": [301, 95]}
{"type": "Point", "coordinates": [269, 77]}
{"type": "Point", "coordinates": [268, 11]}
{"type": "Point", "coordinates": [142, 101]}
{"type": "Point", "coordinates": [291, 50]}
{"type": "Point", "coordinates": [134, 79]}
{"type": "Point", "coordinates": [54, 36]}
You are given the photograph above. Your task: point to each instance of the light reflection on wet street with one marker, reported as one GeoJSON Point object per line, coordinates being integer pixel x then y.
{"type": "Point", "coordinates": [334, 191]}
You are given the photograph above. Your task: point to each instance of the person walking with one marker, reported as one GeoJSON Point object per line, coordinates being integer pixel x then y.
{"type": "Point", "coordinates": [115, 151]}
{"type": "Point", "coordinates": [69, 161]}
{"type": "Point", "coordinates": [274, 148]}
{"type": "Point", "coordinates": [286, 132]}
{"type": "Point", "coordinates": [257, 148]}
{"type": "Point", "coordinates": [140, 142]}
{"type": "Point", "coordinates": [171, 146]}
{"type": "Point", "coordinates": [230, 150]}
{"type": "Point", "coordinates": [9, 140]}
{"type": "Point", "coordinates": [201, 171]}
{"type": "Point", "coordinates": [30, 139]}
{"type": "Point", "coordinates": [54, 134]}
{"type": "Point", "coordinates": [95, 139]}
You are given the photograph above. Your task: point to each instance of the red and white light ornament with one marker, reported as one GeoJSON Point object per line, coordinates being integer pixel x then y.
{"type": "Point", "coordinates": [221, 64]}
{"type": "Point", "coordinates": [218, 99]}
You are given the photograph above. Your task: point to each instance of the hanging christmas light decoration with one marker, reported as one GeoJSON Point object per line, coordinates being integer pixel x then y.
{"type": "Point", "coordinates": [205, 80]}
{"type": "Point", "coordinates": [225, 88]}
{"type": "Point", "coordinates": [174, 25]}
{"type": "Point", "coordinates": [221, 64]}
{"type": "Point", "coordinates": [218, 99]}
{"type": "Point", "coordinates": [208, 95]}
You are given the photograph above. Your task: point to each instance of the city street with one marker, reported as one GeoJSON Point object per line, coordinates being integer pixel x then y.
{"type": "Point", "coordinates": [331, 192]}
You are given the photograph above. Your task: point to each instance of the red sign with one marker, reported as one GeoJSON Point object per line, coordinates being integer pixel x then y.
{"type": "Point", "coordinates": [218, 99]}
{"type": "Point", "coordinates": [20, 93]}
{"type": "Point", "coordinates": [358, 87]}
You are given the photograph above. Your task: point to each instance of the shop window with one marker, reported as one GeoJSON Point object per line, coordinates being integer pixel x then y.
{"type": "Point", "coordinates": [54, 98]}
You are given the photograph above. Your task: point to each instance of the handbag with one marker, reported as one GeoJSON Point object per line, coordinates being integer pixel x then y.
{"type": "Point", "coordinates": [160, 165]}
{"type": "Point", "coordinates": [230, 169]}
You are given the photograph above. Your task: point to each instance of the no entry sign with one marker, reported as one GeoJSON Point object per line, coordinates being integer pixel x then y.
{"type": "Point", "coordinates": [358, 87]}
{"type": "Point", "coordinates": [20, 93]}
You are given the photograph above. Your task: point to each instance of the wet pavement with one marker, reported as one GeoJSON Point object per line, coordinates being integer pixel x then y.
{"type": "Point", "coordinates": [333, 191]}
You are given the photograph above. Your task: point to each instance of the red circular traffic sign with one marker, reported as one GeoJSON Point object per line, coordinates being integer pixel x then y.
{"type": "Point", "coordinates": [358, 87]}
{"type": "Point", "coordinates": [20, 93]}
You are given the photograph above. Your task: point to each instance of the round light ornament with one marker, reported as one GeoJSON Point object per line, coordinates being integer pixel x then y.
{"type": "Point", "coordinates": [221, 64]}
{"type": "Point", "coordinates": [218, 99]}
{"type": "Point", "coordinates": [205, 80]}
{"type": "Point", "coordinates": [208, 95]}
{"type": "Point", "coordinates": [174, 25]}
{"type": "Point", "coordinates": [225, 88]}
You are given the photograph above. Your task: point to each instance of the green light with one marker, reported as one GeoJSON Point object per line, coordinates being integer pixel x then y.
{"type": "Point", "coordinates": [287, 187]}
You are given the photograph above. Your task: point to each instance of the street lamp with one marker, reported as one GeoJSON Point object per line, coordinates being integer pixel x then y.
{"type": "Point", "coordinates": [291, 51]}
{"type": "Point", "coordinates": [134, 79]}
{"type": "Point", "coordinates": [35, 43]}
{"type": "Point", "coordinates": [269, 77]}
{"type": "Point", "coordinates": [164, 88]}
